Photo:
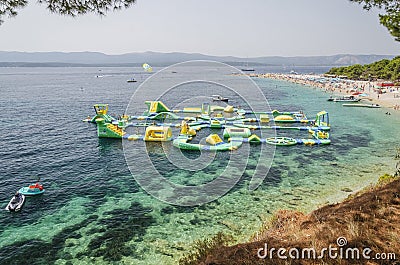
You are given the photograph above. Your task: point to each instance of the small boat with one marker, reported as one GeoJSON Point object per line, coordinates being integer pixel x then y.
{"type": "Point", "coordinates": [362, 105]}
{"type": "Point", "coordinates": [132, 80]}
{"type": "Point", "coordinates": [16, 202]}
{"type": "Point", "coordinates": [219, 98]}
{"type": "Point", "coordinates": [281, 141]}
{"type": "Point", "coordinates": [33, 189]}
{"type": "Point", "coordinates": [345, 99]}
{"type": "Point", "coordinates": [246, 68]}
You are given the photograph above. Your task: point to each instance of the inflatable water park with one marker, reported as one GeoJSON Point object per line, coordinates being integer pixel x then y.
{"type": "Point", "coordinates": [236, 126]}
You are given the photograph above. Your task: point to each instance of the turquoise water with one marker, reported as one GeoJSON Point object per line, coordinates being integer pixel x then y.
{"type": "Point", "coordinates": [94, 212]}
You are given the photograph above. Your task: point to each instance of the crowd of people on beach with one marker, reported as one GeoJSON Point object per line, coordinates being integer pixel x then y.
{"type": "Point", "coordinates": [368, 90]}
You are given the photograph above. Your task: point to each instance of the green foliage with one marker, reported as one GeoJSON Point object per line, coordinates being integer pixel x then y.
{"type": "Point", "coordinates": [383, 69]}
{"type": "Point", "coordinates": [72, 8]}
{"type": "Point", "coordinates": [388, 5]}
{"type": "Point", "coordinates": [9, 7]}
{"type": "Point", "coordinates": [391, 20]}
{"type": "Point", "coordinates": [385, 179]}
{"type": "Point", "coordinates": [201, 249]}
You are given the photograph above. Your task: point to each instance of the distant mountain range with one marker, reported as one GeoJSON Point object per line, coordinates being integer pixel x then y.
{"type": "Point", "coordinates": [15, 59]}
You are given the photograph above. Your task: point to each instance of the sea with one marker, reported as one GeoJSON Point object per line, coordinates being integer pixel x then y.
{"type": "Point", "coordinates": [95, 212]}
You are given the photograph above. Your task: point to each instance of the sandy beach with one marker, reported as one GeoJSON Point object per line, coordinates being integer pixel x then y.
{"type": "Point", "coordinates": [368, 91]}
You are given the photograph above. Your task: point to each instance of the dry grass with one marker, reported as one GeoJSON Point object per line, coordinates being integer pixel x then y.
{"type": "Point", "coordinates": [367, 219]}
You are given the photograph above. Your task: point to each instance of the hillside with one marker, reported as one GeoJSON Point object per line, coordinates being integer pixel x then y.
{"type": "Point", "coordinates": [10, 58]}
{"type": "Point", "coordinates": [383, 69]}
{"type": "Point", "coordinates": [368, 220]}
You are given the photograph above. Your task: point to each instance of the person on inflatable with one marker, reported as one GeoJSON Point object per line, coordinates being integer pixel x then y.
{"type": "Point", "coordinates": [17, 196]}
{"type": "Point", "coordinates": [38, 186]}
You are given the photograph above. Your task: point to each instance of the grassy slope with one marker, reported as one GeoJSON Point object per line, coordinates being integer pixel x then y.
{"type": "Point", "coordinates": [369, 219]}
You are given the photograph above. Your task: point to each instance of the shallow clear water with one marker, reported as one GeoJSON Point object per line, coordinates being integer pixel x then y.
{"type": "Point", "coordinates": [93, 210]}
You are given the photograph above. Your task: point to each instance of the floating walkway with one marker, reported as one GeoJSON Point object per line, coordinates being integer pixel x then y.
{"type": "Point", "coordinates": [237, 128]}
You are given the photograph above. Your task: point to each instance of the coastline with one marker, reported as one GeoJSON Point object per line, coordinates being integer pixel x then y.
{"type": "Point", "coordinates": [365, 220]}
{"type": "Point", "coordinates": [243, 252]}
{"type": "Point", "coordinates": [390, 98]}
{"type": "Point", "coordinates": [168, 230]}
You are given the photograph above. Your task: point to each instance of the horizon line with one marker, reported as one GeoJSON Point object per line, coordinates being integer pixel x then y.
{"type": "Point", "coordinates": [199, 53]}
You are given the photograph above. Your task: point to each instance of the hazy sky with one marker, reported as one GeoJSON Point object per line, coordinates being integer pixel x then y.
{"type": "Point", "coordinates": [217, 27]}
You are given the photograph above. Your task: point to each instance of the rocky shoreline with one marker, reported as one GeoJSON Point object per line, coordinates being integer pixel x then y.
{"type": "Point", "coordinates": [363, 229]}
